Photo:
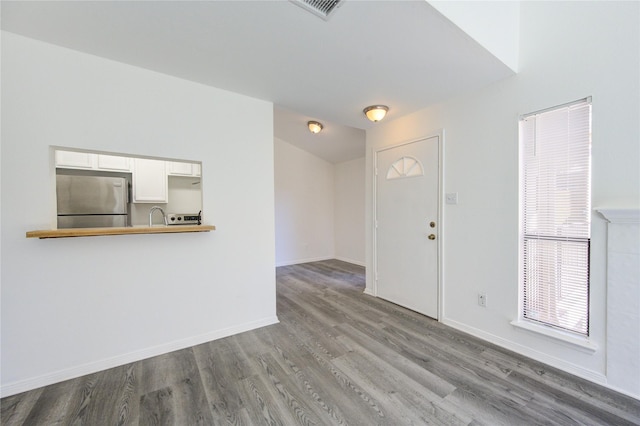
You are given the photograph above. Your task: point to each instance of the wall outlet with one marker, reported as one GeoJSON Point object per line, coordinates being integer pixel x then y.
{"type": "Point", "coordinates": [482, 300]}
{"type": "Point", "coordinates": [451, 198]}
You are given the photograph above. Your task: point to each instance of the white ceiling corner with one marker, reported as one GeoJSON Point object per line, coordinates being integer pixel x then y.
{"type": "Point", "coordinates": [493, 24]}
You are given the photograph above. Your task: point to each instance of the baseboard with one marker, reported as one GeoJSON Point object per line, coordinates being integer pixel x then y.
{"type": "Point", "coordinates": [355, 262]}
{"type": "Point", "coordinates": [592, 376]}
{"type": "Point", "coordinates": [320, 259]}
{"type": "Point", "coordinates": [624, 392]}
{"type": "Point", "coordinates": [94, 367]}
{"type": "Point", "coordinates": [299, 261]}
{"type": "Point", "coordinates": [368, 291]}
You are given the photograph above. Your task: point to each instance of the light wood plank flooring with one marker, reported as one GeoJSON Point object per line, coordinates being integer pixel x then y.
{"type": "Point", "coordinates": [338, 357]}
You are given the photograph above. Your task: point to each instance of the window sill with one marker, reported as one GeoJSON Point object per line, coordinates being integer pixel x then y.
{"type": "Point", "coordinates": [582, 343]}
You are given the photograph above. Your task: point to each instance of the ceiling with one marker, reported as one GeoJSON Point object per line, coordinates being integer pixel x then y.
{"type": "Point", "coordinates": [336, 142]}
{"type": "Point", "coordinates": [403, 54]}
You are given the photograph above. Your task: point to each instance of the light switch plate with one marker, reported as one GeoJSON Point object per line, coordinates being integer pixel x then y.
{"type": "Point", "coordinates": [451, 198]}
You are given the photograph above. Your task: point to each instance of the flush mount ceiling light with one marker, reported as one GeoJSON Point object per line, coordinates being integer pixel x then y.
{"type": "Point", "coordinates": [376, 112]}
{"type": "Point", "coordinates": [314, 126]}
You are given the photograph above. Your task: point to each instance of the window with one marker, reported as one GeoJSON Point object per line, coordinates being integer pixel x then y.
{"type": "Point", "coordinates": [555, 205]}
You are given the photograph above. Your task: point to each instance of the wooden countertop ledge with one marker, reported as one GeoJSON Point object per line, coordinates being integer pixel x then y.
{"type": "Point", "coordinates": [94, 232]}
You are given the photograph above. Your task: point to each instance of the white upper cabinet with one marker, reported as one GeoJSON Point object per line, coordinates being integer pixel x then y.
{"type": "Point", "coordinates": [150, 183]}
{"type": "Point", "coordinates": [179, 168]}
{"type": "Point", "coordinates": [114, 162]}
{"type": "Point", "coordinates": [91, 161]}
{"type": "Point", "coordinates": [149, 177]}
{"type": "Point", "coordinates": [197, 169]}
{"type": "Point", "coordinates": [75, 160]}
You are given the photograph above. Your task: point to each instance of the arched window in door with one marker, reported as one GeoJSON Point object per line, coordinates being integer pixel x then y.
{"type": "Point", "coordinates": [405, 167]}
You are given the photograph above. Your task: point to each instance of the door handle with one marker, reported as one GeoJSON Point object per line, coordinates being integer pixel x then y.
{"type": "Point", "coordinates": [432, 236]}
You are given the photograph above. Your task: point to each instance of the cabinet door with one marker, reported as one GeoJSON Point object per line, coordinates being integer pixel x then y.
{"type": "Point", "coordinates": [149, 181]}
{"type": "Point", "coordinates": [180, 168]}
{"type": "Point", "coordinates": [114, 162]}
{"type": "Point", "coordinates": [75, 160]}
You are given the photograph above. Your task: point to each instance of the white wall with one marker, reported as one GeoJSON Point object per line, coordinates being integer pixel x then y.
{"type": "Point", "coordinates": [77, 305]}
{"type": "Point", "coordinates": [493, 24]}
{"type": "Point", "coordinates": [349, 214]}
{"type": "Point", "coordinates": [568, 50]}
{"type": "Point", "coordinates": [319, 207]}
{"type": "Point", "coordinates": [304, 204]}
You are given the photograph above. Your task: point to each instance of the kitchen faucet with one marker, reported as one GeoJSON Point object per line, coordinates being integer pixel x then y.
{"type": "Point", "coordinates": [151, 210]}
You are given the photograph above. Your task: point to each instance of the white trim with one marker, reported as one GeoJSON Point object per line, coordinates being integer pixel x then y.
{"type": "Point", "coordinates": [554, 362]}
{"type": "Point", "coordinates": [441, 221]}
{"type": "Point", "coordinates": [355, 262]}
{"type": "Point", "coordinates": [373, 291]}
{"type": "Point", "coordinates": [307, 260]}
{"type": "Point", "coordinates": [321, 259]}
{"type": "Point", "coordinates": [622, 391]}
{"type": "Point", "coordinates": [587, 100]}
{"type": "Point", "coordinates": [104, 364]}
{"type": "Point", "coordinates": [620, 215]}
{"type": "Point", "coordinates": [579, 342]}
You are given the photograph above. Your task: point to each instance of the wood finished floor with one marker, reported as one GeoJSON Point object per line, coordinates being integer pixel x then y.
{"type": "Point", "coordinates": [338, 357]}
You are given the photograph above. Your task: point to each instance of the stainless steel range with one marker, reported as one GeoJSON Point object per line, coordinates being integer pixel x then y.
{"type": "Point", "coordinates": [184, 218]}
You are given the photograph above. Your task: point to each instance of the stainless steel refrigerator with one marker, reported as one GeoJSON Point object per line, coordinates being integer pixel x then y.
{"type": "Point", "coordinates": [92, 201]}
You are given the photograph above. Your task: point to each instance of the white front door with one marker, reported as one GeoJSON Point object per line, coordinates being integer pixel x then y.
{"type": "Point", "coordinates": [407, 183]}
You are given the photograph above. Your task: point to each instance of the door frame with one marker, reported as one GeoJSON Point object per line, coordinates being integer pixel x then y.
{"type": "Point", "coordinates": [439, 220]}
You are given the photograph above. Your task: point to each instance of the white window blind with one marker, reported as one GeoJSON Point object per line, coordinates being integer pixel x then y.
{"type": "Point", "coordinates": [556, 216]}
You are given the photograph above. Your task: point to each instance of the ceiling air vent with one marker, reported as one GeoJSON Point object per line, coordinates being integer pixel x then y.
{"type": "Point", "coordinates": [321, 8]}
